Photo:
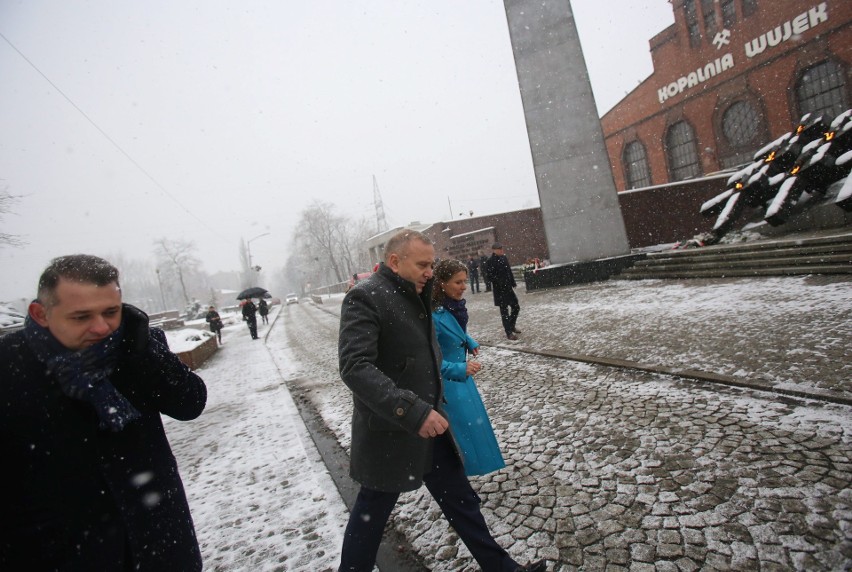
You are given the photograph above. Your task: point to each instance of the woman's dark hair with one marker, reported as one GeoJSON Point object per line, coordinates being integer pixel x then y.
{"type": "Point", "coordinates": [443, 271]}
{"type": "Point", "coordinates": [76, 268]}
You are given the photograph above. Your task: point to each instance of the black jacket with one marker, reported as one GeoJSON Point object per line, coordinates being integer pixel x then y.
{"type": "Point", "coordinates": [80, 498]}
{"type": "Point", "coordinates": [214, 320]}
{"type": "Point", "coordinates": [249, 311]}
{"type": "Point", "coordinates": [391, 361]}
{"type": "Point", "coordinates": [499, 272]}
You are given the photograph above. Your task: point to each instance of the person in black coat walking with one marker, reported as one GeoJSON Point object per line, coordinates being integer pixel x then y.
{"type": "Point", "coordinates": [250, 316]}
{"type": "Point", "coordinates": [401, 439]}
{"type": "Point", "coordinates": [263, 310]}
{"type": "Point", "coordinates": [499, 272]}
{"type": "Point", "coordinates": [483, 269]}
{"type": "Point", "coordinates": [90, 482]}
{"type": "Point", "coordinates": [212, 317]}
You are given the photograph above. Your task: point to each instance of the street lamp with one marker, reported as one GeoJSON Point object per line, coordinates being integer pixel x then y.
{"type": "Point", "coordinates": [248, 250]}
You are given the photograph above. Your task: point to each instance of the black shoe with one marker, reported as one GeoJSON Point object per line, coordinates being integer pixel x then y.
{"type": "Point", "coordinates": [540, 566]}
{"type": "Point", "coordinates": [512, 336]}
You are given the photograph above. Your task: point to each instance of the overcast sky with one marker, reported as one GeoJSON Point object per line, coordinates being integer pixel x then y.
{"type": "Point", "coordinates": [216, 120]}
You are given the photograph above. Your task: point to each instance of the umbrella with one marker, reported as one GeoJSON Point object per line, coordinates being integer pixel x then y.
{"type": "Point", "coordinates": [253, 292]}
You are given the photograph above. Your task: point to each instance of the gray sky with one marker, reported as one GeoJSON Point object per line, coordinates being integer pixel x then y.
{"type": "Point", "coordinates": [217, 120]}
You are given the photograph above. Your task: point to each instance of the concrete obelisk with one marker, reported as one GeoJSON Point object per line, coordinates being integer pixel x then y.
{"type": "Point", "coordinates": [579, 203]}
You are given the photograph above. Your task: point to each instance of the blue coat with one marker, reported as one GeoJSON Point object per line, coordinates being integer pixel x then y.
{"type": "Point", "coordinates": [468, 418]}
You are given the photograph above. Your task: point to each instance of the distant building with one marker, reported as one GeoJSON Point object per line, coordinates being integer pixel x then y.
{"type": "Point", "coordinates": [521, 233]}
{"type": "Point", "coordinates": [729, 76]}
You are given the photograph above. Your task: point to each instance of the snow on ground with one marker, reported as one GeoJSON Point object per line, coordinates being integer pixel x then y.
{"type": "Point", "coordinates": [9, 316]}
{"type": "Point", "coordinates": [260, 496]}
{"type": "Point", "coordinates": [720, 325]}
{"type": "Point", "coordinates": [262, 500]}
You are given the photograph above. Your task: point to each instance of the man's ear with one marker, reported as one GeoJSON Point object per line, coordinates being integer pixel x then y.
{"type": "Point", "coordinates": [393, 262]}
{"type": "Point", "coordinates": [38, 313]}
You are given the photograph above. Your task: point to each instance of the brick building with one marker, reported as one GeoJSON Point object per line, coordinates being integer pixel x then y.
{"type": "Point", "coordinates": [729, 76]}
{"type": "Point", "coordinates": [521, 232]}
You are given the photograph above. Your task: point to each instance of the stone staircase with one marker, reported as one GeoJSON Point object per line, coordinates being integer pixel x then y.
{"type": "Point", "coordinates": [826, 254]}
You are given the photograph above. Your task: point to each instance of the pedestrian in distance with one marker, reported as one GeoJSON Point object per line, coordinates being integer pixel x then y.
{"type": "Point", "coordinates": [263, 310]}
{"type": "Point", "coordinates": [250, 317]}
{"type": "Point", "coordinates": [503, 288]}
{"type": "Point", "coordinates": [483, 269]}
{"type": "Point", "coordinates": [215, 321]}
{"type": "Point", "coordinates": [467, 415]}
{"type": "Point", "coordinates": [473, 273]}
{"type": "Point", "coordinates": [90, 481]}
{"type": "Point", "coordinates": [401, 439]}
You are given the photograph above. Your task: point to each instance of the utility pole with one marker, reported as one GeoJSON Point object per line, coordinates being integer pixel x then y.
{"type": "Point", "coordinates": [381, 221]}
{"type": "Point", "coordinates": [162, 296]}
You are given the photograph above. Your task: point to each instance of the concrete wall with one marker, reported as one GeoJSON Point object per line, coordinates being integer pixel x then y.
{"type": "Point", "coordinates": [521, 233]}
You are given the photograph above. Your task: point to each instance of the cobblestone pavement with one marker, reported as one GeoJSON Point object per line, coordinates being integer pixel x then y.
{"type": "Point", "coordinates": [783, 332]}
{"type": "Point", "coordinates": [617, 469]}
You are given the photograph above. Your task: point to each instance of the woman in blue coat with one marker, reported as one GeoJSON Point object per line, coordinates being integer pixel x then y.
{"type": "Point", "coordinates": [468, 418]}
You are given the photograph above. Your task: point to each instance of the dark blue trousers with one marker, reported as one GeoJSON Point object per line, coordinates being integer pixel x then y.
{"type": "Point", "coordinates": [458, 501]}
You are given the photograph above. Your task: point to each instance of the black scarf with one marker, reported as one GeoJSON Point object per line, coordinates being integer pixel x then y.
{"type": "Point", "coordinates": [84, 374]}
{"type": "Point", "coordinates": [458, 309]}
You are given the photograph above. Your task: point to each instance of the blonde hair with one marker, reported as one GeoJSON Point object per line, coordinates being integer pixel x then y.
{"type": "Point", "coordinates": [398, 244]}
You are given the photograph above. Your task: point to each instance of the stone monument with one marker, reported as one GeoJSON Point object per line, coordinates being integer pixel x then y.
{"type": "Point", "coordinates": [579, 204]}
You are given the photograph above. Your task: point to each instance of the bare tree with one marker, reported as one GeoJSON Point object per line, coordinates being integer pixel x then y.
{"type": "Point", "coordinates": [177, 258]}
{"type": "Point", "coordinates": [138, 281]}
{"type": "Point", "coordinates": [356, 234]}
{"type": "Point", "coordinates": [7, 200]}
{"type": "Point", "coordinates": [320, 232]}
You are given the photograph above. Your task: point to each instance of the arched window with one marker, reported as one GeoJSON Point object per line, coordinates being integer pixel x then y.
{"type": "Point", "coordinates": [682, 152]}
{"type": "Point", "coordinates": [636, 165]}
{"type": "Point", "coordinates": [709, 11]}
{"type": "Point", "coordinates": [740, 126]}
{"type": "Point", "coordinates": [821, 90]}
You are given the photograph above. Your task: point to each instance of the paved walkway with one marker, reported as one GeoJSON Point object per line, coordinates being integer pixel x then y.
{"type": "Point", "coordinates": [619, 469]}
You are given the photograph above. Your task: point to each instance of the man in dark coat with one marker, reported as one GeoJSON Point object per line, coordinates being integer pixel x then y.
{"type": "Point", "coordinates": [473, 274]}
{"type": "Point", "coordinates": [483, 269]}
{"type": "Point", "coordinates": [401, 439]}
{"type": "Point", "coordinates": [250, 316]}
{"type": "Point", "coordinates": [499, 272]}
{"type": "Point", "coordinates": [89, 480]}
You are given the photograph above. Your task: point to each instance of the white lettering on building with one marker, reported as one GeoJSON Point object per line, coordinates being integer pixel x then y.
{"type": "Point", "coordinates": [697, 77]}
{"type": "Point", "coordinates": [789, 29]}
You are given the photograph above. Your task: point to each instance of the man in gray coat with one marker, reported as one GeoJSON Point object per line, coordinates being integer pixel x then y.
{"type": "Point", "coordinates": [401, 439]}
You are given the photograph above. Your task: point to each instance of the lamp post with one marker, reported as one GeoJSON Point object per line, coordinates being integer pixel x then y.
{"type": "Point", "coordinates": [248, 250]}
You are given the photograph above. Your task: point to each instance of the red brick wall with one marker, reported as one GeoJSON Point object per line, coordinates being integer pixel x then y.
{"type": "Point", "coordinates": [520, 232]}
{"type": "Point", "coordinates": [766, 80]}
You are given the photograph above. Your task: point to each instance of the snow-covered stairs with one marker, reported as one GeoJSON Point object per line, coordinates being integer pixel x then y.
{"type": "Point", "coordinates": [831, 254]}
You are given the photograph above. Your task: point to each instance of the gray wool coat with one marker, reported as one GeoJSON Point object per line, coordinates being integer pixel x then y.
{"type": "Point", "coordinates": [391, 361]}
